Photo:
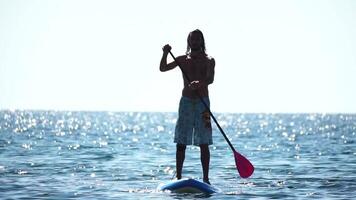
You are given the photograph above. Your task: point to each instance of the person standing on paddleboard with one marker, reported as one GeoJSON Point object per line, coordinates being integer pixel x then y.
{"type": "Point", "coordinates": [193, 124]}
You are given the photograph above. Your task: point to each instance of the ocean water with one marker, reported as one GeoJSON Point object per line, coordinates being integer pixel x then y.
{"type": "Point", "coordinates": [109, 155]}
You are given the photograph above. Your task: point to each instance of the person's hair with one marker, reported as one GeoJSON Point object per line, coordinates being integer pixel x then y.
{"type": "Point", "coordinates": [202, 44]}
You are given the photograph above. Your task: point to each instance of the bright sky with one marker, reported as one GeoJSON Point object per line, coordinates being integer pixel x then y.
{"type": "Point", "coordinates": [271, 56]}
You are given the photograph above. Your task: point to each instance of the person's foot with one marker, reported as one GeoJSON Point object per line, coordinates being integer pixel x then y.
{"type": "Point", "coordinates": [207, 181]}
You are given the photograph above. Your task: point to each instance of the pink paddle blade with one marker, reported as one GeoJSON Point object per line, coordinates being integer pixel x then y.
{"type": "Point", "coordinates": [243, 165]}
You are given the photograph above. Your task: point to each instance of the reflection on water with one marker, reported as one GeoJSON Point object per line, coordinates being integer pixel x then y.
{"type": "Point", "coordinates": [81, 155]}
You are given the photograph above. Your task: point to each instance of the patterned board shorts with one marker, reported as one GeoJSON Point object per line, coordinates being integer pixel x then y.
{"type": "Point", "coordinates": [193, 124]}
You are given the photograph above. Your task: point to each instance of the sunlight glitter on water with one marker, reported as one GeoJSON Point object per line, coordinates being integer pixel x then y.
{"type": "Point", "coordinates": [85, 155]}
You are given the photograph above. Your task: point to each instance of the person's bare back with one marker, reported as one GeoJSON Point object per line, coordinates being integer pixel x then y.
{"type": "Point", "coordinates": [197, 65]}
{"type": "Point", "coordinates": [200, 70]}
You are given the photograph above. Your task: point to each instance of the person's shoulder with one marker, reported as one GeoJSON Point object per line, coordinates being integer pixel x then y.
{"type": "Point", "coordinates": [210, 59]}
{"type": "Point", "coordinates": [182, 58]}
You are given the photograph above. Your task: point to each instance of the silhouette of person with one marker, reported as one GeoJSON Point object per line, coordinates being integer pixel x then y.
{"type": "Point", "coordinates": [193, 125]}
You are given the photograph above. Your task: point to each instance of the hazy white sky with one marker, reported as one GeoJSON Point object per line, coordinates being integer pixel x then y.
{"type": "Point", "coordinates": [271, 56]}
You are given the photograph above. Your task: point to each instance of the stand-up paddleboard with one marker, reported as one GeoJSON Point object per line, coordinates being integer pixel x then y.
{"type": "Point", "coordinates": [188, 186]}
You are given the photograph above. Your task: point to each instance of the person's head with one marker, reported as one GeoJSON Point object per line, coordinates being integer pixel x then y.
{"type": "Point", "coordinates": [195, 41]}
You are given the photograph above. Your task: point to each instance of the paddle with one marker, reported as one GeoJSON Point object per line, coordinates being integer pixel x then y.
{"type": "Point", "coordinates": [244, 166]}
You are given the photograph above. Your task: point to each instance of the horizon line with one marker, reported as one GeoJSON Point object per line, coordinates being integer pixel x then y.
{"type": "Point", "coordinates": [137, 111]}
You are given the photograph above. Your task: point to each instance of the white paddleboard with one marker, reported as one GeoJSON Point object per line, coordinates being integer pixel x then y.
{"type": "Point", "coordinates": [188, 186]}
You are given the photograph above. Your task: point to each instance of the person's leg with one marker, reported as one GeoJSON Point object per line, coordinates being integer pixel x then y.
{"type": "Point", "coordinates": [180, 155]}
{"type": "Point", "coordinates": [205, 159]}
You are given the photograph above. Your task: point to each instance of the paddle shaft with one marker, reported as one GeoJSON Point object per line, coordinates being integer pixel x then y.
{"type": "Point", "coordinates": [206, 106]}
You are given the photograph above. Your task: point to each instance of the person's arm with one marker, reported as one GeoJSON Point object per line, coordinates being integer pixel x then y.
{"type": "Point", "coordinates": [163, 65]}
{"type": "Point", "coordinates": [210, 72]}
